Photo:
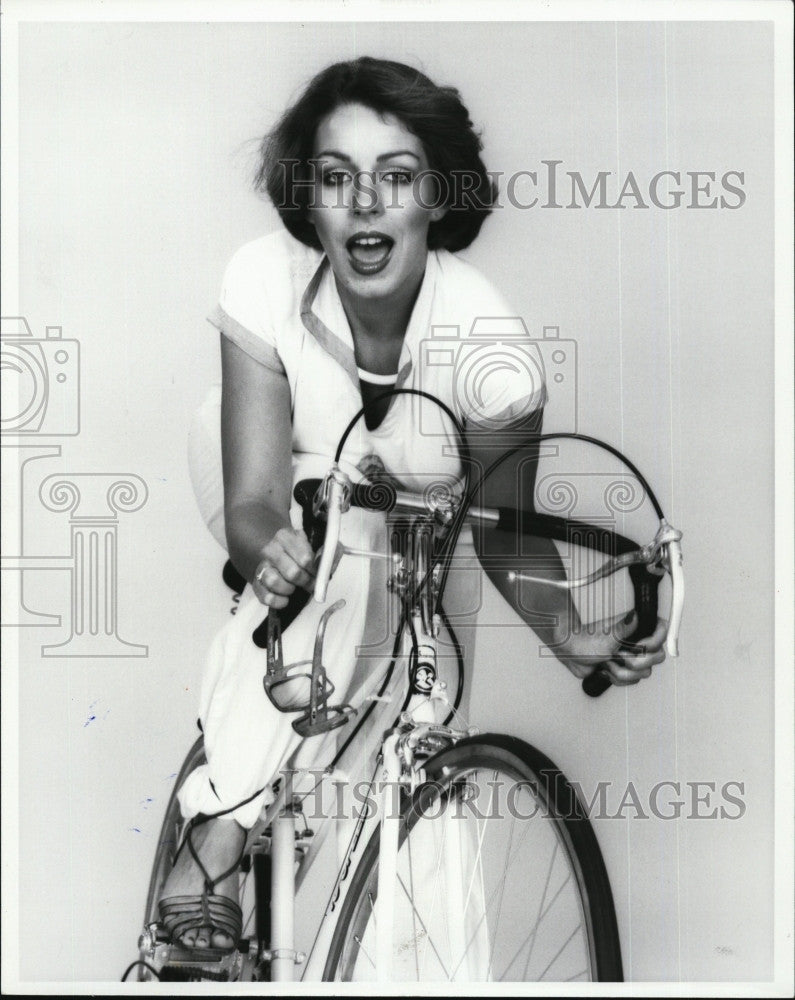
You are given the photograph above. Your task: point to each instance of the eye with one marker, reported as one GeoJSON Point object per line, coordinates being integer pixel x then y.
{"type": "Point", "coordinates": [398, 176]}
{"type": "Point", "coordinates": [335, 177]}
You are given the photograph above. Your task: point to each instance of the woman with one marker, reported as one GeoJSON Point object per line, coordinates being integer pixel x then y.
{"type": "Point", "coordinates": [377, 176]}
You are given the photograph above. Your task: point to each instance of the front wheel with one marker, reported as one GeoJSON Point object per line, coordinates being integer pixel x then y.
{"type": "Point", "coordinates": [499, 878]}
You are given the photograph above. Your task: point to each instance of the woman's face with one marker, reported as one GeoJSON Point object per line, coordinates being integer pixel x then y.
{"type": "Point", "coordinates": [370, 212]}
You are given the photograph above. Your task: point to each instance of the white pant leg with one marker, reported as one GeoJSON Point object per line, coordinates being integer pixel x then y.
{"type": "Point", "coordinates": [247, 740]}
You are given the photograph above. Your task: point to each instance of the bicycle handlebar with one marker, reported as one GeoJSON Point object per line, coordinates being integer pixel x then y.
{"type": "Point", "coordinates": [646, 586]}
{"type": "Point", "coordinates": [334, 495]}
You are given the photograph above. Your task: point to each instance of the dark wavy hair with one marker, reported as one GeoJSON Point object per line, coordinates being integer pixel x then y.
{"type": "Point", "coordinates": [436, 115]}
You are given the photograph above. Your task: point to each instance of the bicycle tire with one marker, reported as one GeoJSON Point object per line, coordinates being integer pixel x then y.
{"type": "Point", "coordinates": [170, 833]}
{"type": "Point", "coordinates": [449, 780]}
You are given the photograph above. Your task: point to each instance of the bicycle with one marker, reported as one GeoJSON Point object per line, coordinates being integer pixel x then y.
{"type": "Point", "coordinates": [478, 862]}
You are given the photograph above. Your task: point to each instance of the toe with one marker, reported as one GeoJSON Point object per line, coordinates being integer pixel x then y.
{"type": "Point", "coordinates": [188, 939]}
{"type": "Point", "coordinates": [221, 940]}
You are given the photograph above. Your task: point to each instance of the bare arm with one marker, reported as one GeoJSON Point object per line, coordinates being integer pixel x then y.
{"type": "Point", "coordinates": [549, 611]}
{"type": "Point", "coordinates": [512, 481]}
{"type": "Point", "coordinates": [256, 438]}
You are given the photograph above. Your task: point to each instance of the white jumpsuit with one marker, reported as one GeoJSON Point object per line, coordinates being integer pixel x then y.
{"type": "Point", "coordinates": [463, 345]}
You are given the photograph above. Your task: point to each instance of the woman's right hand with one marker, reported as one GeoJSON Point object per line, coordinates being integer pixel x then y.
{"type": "Point", "coordinates": [287, 562]}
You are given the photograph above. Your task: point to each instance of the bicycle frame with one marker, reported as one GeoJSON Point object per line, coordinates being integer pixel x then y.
{"type": "Point", "coordinates": [397, 762]}
{"type": "Point", "coordinates": [418, 725]}
{"type": "Point", "coordinates": [400, 758]}
{"type": "Point", "coordinates": [406, 743]}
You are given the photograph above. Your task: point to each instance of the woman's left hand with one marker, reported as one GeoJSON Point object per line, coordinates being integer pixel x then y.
{"type": "Point", "coordinates": [600, 644]}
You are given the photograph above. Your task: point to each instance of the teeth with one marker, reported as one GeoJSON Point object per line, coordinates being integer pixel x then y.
{"type": "Point", "coordinates": [368, 241]}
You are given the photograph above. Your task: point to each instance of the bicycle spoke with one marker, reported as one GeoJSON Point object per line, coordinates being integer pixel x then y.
{"type": "Point", "coordinates": [557, 954]}
{"type": "Point", "coordinates": [435, 896]}
{"type": "Point", "coordinates": [502, 893]}
{"type": "Point", "coordinates": [494, 900]}
{"type": "Point", "coordinates": [478, 866]}
{"type": "Point", "coordinates": [247, 922]}
{"type": "Point", "coordinates": [478, 858]}
{"type": "Point", "coordinates": [362, 948]}
{"type": "Point", "coordinates": [534, 931]}
{"type": "Point", "coordinates": [500, 887]}
{"type": "Point", "coordinates": [415, 911]}
{"type": "Point", "coordinates": [413, 914]}
{"type": "Point", "coordinates": [439, 857]}
{"type": "Point", "coordinates": [492, 903]}
{"type": "Point", "coordinates": [570, 979]}
{"type": "Point", "coordinates": [447, 819]}
{"type": "Point", "coordinates": [557, 894]}
{"type": "Point", "coordinates": [427, 935]}
{"type": "Point", "coordinates": [540, 908]}
{"type": "Point", "coordinates": [482, 885]}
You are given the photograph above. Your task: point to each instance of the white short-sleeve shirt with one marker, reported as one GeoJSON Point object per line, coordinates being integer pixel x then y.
{"type": "Point", "coordinates": [464, 345]}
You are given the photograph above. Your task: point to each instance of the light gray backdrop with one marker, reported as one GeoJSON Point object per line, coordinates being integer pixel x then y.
{"type": "Point", "coordinates": [136, 149]}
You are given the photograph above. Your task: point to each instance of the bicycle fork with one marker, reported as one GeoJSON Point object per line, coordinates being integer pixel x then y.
{"type": "Point", "coordinates": [282, 954]}
{"type": "Point", "coordinates": [398, 770]}
{"type": "Point", "coordinates": [387, 860]}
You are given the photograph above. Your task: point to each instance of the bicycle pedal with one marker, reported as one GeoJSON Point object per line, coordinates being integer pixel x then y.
{"type": "Point", "coordinates": [324, 720]}
{"type": "Point", "coordinates": [184, 957]}
{"type": "Point", "coordinates": [188, 974]}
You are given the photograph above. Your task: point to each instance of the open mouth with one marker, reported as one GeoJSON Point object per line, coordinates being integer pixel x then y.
{"type": "Point", "coordinates": [369, 252]}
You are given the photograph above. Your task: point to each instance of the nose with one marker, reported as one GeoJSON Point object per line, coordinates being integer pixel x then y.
{"type": "Point", "coordinates": [365, 198]}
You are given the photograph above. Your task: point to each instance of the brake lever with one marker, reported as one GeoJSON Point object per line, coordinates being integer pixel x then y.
{"type": "Point", "coordinates": [616, 564]}
{"type": "Point", "coordinates": [668, 552]}
{"type": "Point", "coordinates": [335, 496]}
{"type": "Point", "coordinates": [663, 554]}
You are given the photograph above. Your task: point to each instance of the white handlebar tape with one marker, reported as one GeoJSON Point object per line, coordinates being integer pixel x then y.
{"type": "Point", "coordinates": [677, 598]}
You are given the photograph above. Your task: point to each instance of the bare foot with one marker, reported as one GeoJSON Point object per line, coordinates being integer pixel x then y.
{"type": "Point", "coordinates": [218, 843]}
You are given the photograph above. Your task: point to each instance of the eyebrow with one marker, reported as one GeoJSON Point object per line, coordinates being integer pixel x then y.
{"type": "Point", "coordinates": [336, 154]}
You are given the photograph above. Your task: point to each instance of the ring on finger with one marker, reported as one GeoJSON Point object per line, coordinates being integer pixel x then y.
{"type": "Point", "coordinates": [260, 575]}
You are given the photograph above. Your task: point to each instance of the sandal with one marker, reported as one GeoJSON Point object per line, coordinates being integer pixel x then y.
{"type": "Point", "coordinates": [218, 914]}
